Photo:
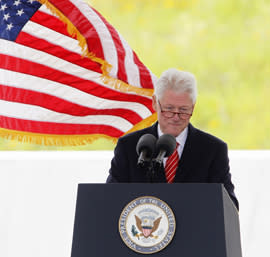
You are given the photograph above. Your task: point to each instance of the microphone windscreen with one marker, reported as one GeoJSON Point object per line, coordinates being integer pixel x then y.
{"type": "Point", "coordinates": [166, 143]}
{"type": "Point", "coordinates": [146, 142]}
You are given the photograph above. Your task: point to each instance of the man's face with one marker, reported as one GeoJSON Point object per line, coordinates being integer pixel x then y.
{"type": "Point", "coordinates": [173, 102]}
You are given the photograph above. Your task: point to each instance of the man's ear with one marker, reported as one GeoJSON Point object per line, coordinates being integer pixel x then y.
{"type": "Point", "coordinates": [193, 106]}
{"type": "Point", "coordinates": [154, 102]}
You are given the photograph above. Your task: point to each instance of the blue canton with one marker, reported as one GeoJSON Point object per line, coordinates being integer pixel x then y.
{"type": "Point", "coordinates": [14, 15]}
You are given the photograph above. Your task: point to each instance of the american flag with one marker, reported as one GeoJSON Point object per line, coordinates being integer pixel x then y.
{"type": "Point", "coordinates": [67, 76]}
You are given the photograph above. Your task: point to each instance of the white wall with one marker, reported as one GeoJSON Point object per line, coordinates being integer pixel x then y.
{"type": "Point", "coordinates": [38, 198]}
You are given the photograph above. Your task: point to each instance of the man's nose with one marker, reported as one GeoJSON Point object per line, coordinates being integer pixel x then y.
{"type": "Point", "coordinates": [176, 117]}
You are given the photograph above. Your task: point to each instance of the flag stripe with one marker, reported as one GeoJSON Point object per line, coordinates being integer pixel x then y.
{"type": "Point", "coordinates": [39, 37]}
{"type": "Point", "coordinates": [44, 18]}
{"type": "Point", "coordinates": [58, 128]}
{"type": "Point", "coordinates": [51, 36]}
{"type": "Point", "coordinates": [87, 29]}
{"type": "Point", "coordinates": [59, 105]}
{"type": "Point", "coordinates": [74, 95]}
{"type": "Point", "coordinates": [23, 66]}
{"type": "Point", "coordinates": [31, 112]}
{"type": "Point", "coordinates": [136, 71]}
{"type": "Point", "coordinates": [57, 51]}
{"type": "Point", "coordinates": [146, 80]}
{"type": "Point", "coordinates": [130, 60]}
{"type": "Point", "coordinates": [121, 51]}
{"type": "Point", "coordinates": [33, 55]}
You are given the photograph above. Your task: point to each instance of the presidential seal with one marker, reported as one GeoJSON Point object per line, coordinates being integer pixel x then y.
{"type": "Point", "coordinates": [147, 225]}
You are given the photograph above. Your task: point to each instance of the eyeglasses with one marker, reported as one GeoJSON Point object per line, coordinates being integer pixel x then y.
{"type": "Point", "coordinates": [170, 114]}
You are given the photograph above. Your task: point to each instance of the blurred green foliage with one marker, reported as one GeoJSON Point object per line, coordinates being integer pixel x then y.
{"type": "Point", "coordinates": [225, 43]}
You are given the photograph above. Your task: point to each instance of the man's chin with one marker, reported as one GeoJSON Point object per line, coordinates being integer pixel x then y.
{"type": "Point", "coordinates": [174, 132]}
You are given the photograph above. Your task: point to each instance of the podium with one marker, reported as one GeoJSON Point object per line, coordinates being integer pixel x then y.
{"type": "Point", "coordinates": [207, 222]}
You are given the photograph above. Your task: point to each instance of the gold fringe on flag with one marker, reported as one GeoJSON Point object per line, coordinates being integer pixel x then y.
{"type": "Point", "coordinates": [144, 123]}
{"type": "Point", "coordinates": [52, 140]}
{"type": "Point", "coordinates": [124, 87]}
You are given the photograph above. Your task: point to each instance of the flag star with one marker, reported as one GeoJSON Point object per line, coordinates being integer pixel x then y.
{"type": "Point", "coordinates": [20, 12]}
{"type": "Point", "coordinates": [17, 2]}
{"type": "Point", "coordinates": [29, 1]}
{"type": "Point", "coordinates": [6, 16]}
{"type": "Point", "coordinates": [3, 7]}
{"type": "Point", "coordinates": [9, 26]}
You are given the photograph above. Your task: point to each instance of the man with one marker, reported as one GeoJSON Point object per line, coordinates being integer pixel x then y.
{"type": "Point", "coordinates": [198, 158]}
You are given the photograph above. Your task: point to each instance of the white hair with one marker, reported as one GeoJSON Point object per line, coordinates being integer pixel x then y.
{"type": "Point", "coordinates": [178, 81]}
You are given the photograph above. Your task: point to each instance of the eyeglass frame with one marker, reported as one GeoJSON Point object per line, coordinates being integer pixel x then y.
{"type": "Point", "coordinates": [180, 114]}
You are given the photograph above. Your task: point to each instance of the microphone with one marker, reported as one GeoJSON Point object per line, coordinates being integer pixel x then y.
{"type": "Point", "coordinates": [165, 147]}
{"type": "Point", "coordinates": [145, 148]}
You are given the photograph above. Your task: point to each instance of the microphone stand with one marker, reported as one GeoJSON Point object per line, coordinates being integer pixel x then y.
{"type": "Point", "coordinates": [151, 166]}
{"type": "Point", "coordinates": [150, 172]}
{"type": "Point", "coordinates": [148, 166]}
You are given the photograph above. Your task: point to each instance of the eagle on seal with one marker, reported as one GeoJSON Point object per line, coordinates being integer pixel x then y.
{"type": "Point", "coordinates": [146, 227]}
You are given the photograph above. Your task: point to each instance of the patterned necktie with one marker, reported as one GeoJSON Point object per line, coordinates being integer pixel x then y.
{"type": "Point", "coordinates": [171, 165]}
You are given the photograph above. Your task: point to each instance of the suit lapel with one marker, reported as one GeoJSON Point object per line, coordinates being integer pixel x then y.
{"type": "Point", "coordinates": [186, 158]}
{"type": "Point", "coordinates": [159, 173]}
{"type": "Point", "coordinates": [153, 130]}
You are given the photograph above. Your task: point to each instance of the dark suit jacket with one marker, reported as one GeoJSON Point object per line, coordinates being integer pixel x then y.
{"type": "Point", "coordinates": [204, 160]}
